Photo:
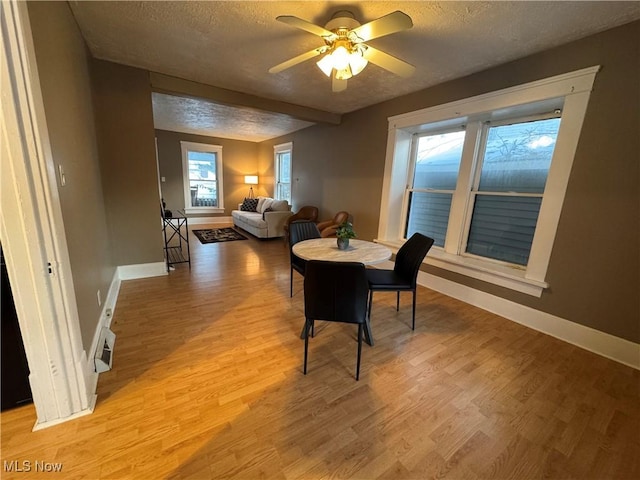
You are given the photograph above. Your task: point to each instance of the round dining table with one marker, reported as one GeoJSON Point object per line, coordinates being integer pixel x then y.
{"type": "Point", "coordinates": [327, 249]}
{"type": "Point", "coordinates": [368, 253]}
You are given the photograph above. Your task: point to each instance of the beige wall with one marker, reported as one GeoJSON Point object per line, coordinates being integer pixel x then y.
{"type": "Point", "coordinates": [595, 264]}
{"type": "Point", "coordinates": [240, 158]}
{"type": "Point", "coordinates": [122, 97]}
{"type": "Point", "coordinates": [338, 168]}
{"type": "Point", "coordinates": [63, 67]}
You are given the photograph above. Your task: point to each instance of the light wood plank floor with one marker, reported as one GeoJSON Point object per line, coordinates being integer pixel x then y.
{"type": "Point", "coordinates": [207, 383]}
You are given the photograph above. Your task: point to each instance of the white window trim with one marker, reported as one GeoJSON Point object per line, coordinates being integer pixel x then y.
{"type": "Point", "coordinates": [283, 147]}
{"type": "Point", "coordinates": [573, 89]}
{"type": "Point", "coordinates": [202, 147]}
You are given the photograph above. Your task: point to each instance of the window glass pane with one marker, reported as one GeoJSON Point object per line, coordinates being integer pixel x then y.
{"type": "Point", "coordinates": [202, 179]}
{"type": "Point", "coordinates": [429, 215]}
{"type": "Point", "coordinates": [202, 165]}
{"type": "Point", "coordinates": [438, 161]}
{"type": "Point", "coordinates": [502, 227]}
{"type": "Point", "coordinates": [203, 194]}
{"type": "Point", "coordinates": [284, 192]}
{"type": "Point", "coordinates": [517, 157]}
{"type": "Point", "coordinates": [283, 182]}
{"type": "Point", "coordinates": [285, 167]}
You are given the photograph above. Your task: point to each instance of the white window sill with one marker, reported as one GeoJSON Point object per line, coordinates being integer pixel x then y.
{"type": "Point", "coordinates": [197, 210]}
{"type": "Point", "coordinates": [485, 270]}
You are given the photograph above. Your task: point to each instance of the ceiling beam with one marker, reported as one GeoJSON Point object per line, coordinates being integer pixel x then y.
{"type": "Point", "coordinates": [186, 88]}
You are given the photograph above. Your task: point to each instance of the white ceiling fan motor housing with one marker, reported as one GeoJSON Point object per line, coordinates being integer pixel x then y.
{"type": "Point", "coordinates": [342, 20]}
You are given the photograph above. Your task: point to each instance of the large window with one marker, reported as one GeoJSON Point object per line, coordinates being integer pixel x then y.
{"type": "Point", "coordinates": [282, 166]}
{"type": "Point", "coordinates": [485, 178]}
{"type": "Point", "coordinates": [202, 177]}
{"type": "Point", "coordinates": [512, 164]}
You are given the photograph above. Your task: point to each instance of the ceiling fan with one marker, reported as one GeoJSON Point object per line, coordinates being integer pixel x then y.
{"type": "Point", "coordinates": [344, 53]}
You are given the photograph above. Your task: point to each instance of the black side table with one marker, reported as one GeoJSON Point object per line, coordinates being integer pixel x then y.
{"type": "Point", "coordinates": [176, 239]}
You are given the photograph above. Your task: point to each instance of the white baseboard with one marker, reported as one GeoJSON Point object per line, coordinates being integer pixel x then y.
{"type": "Point", "coordinates": [143, 270]}
{"type": "Point", "coordinates": [51, 423]}
{"type": "Point", "coordinates": [601, 343]}
{"type": "Point", "coordinates": [108, 307]}
{"type": "Point", "coordinates": [209, 220]}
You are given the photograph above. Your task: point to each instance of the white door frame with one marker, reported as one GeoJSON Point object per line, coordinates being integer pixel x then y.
{"type": "Point", "coordinates": [33, 237]}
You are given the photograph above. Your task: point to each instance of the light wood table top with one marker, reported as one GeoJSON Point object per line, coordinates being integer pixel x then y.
{"type": "Point", "coordinates": [361, 251]}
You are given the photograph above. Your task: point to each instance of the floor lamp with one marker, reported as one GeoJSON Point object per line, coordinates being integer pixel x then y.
{"type": "Point", "coordinates": [251, 180]}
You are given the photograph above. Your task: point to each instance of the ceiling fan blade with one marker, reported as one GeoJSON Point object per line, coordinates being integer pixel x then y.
{"type": "Point", "coordinates": [306, 26]}
{"type": "Point", "coordinates": [394, 22]}
{"type": "Point", "coordinates": [389, 62]}
{"type": "Point", "coordinates": [296, 60]}
{"type": "Point", "coordinates": [338, 85]}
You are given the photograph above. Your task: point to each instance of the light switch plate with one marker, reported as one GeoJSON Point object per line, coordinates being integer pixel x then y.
{"type": "Point", "coordinates": [63, 179]}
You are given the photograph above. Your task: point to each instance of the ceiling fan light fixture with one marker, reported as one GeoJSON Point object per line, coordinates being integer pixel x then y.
{"type": "Point", "coordinates": [326, 64]}
{"type": "Point", "coordinates": [346, 64]}
{"type": "Point", "coordinates": [340, 57]}
{"type": "Point", "coordinates": [357, 62]}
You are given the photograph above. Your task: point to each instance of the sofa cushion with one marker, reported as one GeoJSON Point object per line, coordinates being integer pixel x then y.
{"type": "Point", "coordinates": [280, 205]}
{"type": "Point", "coordinates": [266, 203]}
{"type": "Point", "coordinates": [249, 205]}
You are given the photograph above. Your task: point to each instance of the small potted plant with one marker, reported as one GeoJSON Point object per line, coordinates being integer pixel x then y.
{"type": "Point", "coordinates": [344, 232]}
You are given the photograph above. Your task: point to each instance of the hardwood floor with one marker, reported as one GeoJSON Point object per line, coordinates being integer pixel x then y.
{"type": "Point", "coordinates": [207, 383]}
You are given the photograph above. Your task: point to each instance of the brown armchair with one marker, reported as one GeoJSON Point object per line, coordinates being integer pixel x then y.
{"type": "Point", "coordinates": [307, 213]}
{"type": "Point", "coordinates": [328, 227]}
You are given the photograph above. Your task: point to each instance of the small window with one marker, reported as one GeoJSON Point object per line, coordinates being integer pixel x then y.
{"type": "Point", "coordinates": [282, 166]}
{"type": "Point", "coordinates": [202, 173]}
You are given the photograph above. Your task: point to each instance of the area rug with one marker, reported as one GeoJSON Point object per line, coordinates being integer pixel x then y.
{"type": "Point", "coordinates": [213, 235]}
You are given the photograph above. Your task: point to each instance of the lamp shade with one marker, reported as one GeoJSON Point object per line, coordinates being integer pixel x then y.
{"type": "Point", "coordinates": [251, 179]}
{"type": "Point", "coordinates": [326, 65]}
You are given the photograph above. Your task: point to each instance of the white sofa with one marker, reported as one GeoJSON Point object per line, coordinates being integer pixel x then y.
{"type": "Point", "coordinates": [261, 223]}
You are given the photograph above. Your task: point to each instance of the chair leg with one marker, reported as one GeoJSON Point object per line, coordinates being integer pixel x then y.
{"type": "Point", "coordinates": [359, 351]}
{"type": "Point", "coordinates": [304, 331]}
{"type": "Point", "coordinates": [306, 344]}
{"type": "Point", "coordinates": [370, 302]}
{"type": "Point", "coordinates": [291, 283]}
{"type": "Point", "coordinates": [398, 301]}
{"type": "Point", "coordinates": [368, 336]}
{"type": "Point", "coordinates": [413, 319]}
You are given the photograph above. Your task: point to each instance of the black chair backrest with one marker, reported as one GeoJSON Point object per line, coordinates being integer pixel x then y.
{"type": "Point", "coordinates": [410, 256]}
{"type": "Point", "coordinates": [299, 231]}
{"type": "Point", "coordinates": [335, 291]}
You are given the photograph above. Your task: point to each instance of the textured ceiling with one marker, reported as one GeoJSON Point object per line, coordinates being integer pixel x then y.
{"type": "Point", "coordinates": [203, 117]}
{"type": "Point", "coordinates": [232, 45]}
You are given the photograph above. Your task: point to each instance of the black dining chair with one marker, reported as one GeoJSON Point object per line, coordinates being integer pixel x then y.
{"type": "Point", "coordinates": [335, 292]}
{"type": "Point", "coordinates": [403, 277]}
{"type": "Point", "coordinates": [299, 231]}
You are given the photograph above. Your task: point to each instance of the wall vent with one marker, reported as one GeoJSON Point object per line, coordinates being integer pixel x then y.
{"type": "Point", "coordinates": [104, 352]}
